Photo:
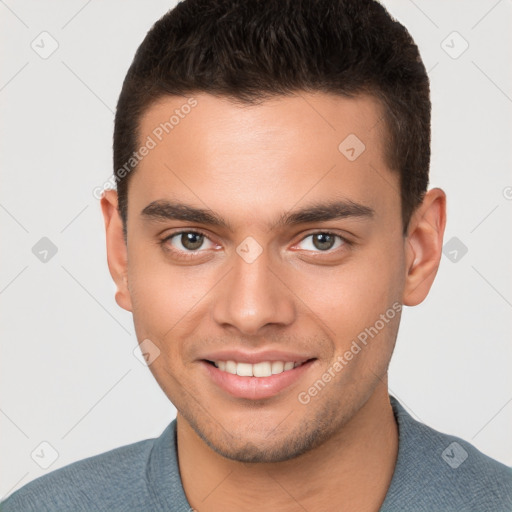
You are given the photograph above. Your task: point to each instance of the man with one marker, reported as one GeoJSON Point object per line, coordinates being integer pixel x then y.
{"type": "Point", "coordinates": [270, 221]}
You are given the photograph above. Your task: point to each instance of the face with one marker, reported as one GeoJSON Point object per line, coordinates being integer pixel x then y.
{"type": "Point", "coordinates": [254, 239]}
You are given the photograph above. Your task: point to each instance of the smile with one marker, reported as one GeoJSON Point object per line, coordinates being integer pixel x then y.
{"type": "Point", "coordinates": [262, 369]}
{"type": "Point", "coordinates": [255, 381]}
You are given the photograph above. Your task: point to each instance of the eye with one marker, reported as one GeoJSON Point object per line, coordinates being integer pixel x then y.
{"type": "Point", "coordinates": [322, 241]}
{"type": "Point", "coordinates": [188, 241]}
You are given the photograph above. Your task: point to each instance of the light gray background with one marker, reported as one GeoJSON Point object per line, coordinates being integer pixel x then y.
{"type": "Point", "coordinates": [68, 373]}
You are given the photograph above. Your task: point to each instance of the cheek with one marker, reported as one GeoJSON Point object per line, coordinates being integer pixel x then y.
{"type": "Point", "coordinates": [350, 298]}
{"type": "Point", "coordinates": [164, 297]}
{"type": "Point", "coordinates": [153, 291]}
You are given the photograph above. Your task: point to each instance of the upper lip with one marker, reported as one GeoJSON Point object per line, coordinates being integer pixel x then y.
{"type": "Point", "coordinates": [255, 357]}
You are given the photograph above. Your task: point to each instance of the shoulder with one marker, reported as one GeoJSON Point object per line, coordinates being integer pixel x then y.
{"type": "Point", "coordinates": [437, 471]}
{"type": "Point", "coordinates": [106, 481]}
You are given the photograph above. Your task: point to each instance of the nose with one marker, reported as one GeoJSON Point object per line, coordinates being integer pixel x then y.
{"type": "Point", "coordinates": [253, 296]}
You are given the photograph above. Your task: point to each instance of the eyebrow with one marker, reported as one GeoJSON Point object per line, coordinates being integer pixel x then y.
{"type": "Point", "coordinates": [161, 210]}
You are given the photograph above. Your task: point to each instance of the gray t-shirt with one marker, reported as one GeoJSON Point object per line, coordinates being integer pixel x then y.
{"type": "Point", "coordinates": [434, 472]}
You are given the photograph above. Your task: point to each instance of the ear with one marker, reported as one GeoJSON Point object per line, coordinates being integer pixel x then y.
{"type": "Point", "coordinates": [424, 244]}
{"type": "Point", "coordinates": [117, 254]}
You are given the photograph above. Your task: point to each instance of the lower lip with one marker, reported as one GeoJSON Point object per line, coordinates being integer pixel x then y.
{"type": "Point", "coordinates": [255, 388]}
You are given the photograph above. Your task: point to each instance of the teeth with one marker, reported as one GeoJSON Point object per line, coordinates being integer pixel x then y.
{"type": "Point", "coordinates": [244, 369]}
{"type": "Point", "coordinates": [263, 369]}
{"type": "Point", "coordinates": [230, 367]}
{"type": "Point", "coordinates": [277, 367]}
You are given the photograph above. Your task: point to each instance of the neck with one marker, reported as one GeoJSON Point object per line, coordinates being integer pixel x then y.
{"type": "Point", "coordinates": [351, 471]}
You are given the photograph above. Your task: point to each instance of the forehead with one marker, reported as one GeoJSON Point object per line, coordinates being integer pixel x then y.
{"type": "Point", "coordinates": [211, 151]}
{"type": "Point", "coordinates": [282, 121]}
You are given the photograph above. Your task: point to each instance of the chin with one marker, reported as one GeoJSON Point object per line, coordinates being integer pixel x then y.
{"type": "Point", "coordinates": [276, 445]}
{"type": "Point", "coordinates": [250, 452]}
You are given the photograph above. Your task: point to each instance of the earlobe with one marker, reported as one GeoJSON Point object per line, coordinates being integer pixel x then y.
{"type": "Point", "coordinates": [424, 245]}
{"type": "Point", "coordinates": [117, 254]}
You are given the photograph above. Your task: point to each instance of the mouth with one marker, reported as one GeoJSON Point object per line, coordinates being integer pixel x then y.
{"type": "Point", "coordinates": [262, 369]}
{"type": "Point", "coordinates": [255, 381]}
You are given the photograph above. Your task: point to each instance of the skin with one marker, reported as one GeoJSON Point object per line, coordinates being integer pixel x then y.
{"type": "Point", "coordinates": [250, 165]}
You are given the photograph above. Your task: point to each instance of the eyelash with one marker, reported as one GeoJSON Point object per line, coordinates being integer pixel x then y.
{"type": "Point", "coordinates": [182, 254]}
{"type": "Point", "coordinates": [192, 254]}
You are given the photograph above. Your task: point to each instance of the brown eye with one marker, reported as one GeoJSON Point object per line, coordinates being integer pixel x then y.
{"type": "Point", "coordinates": [322, 241]}
{"type": "Point", "coordinates": [188, 241]}
{"type": "Point", "coordinates": [192, 241]}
